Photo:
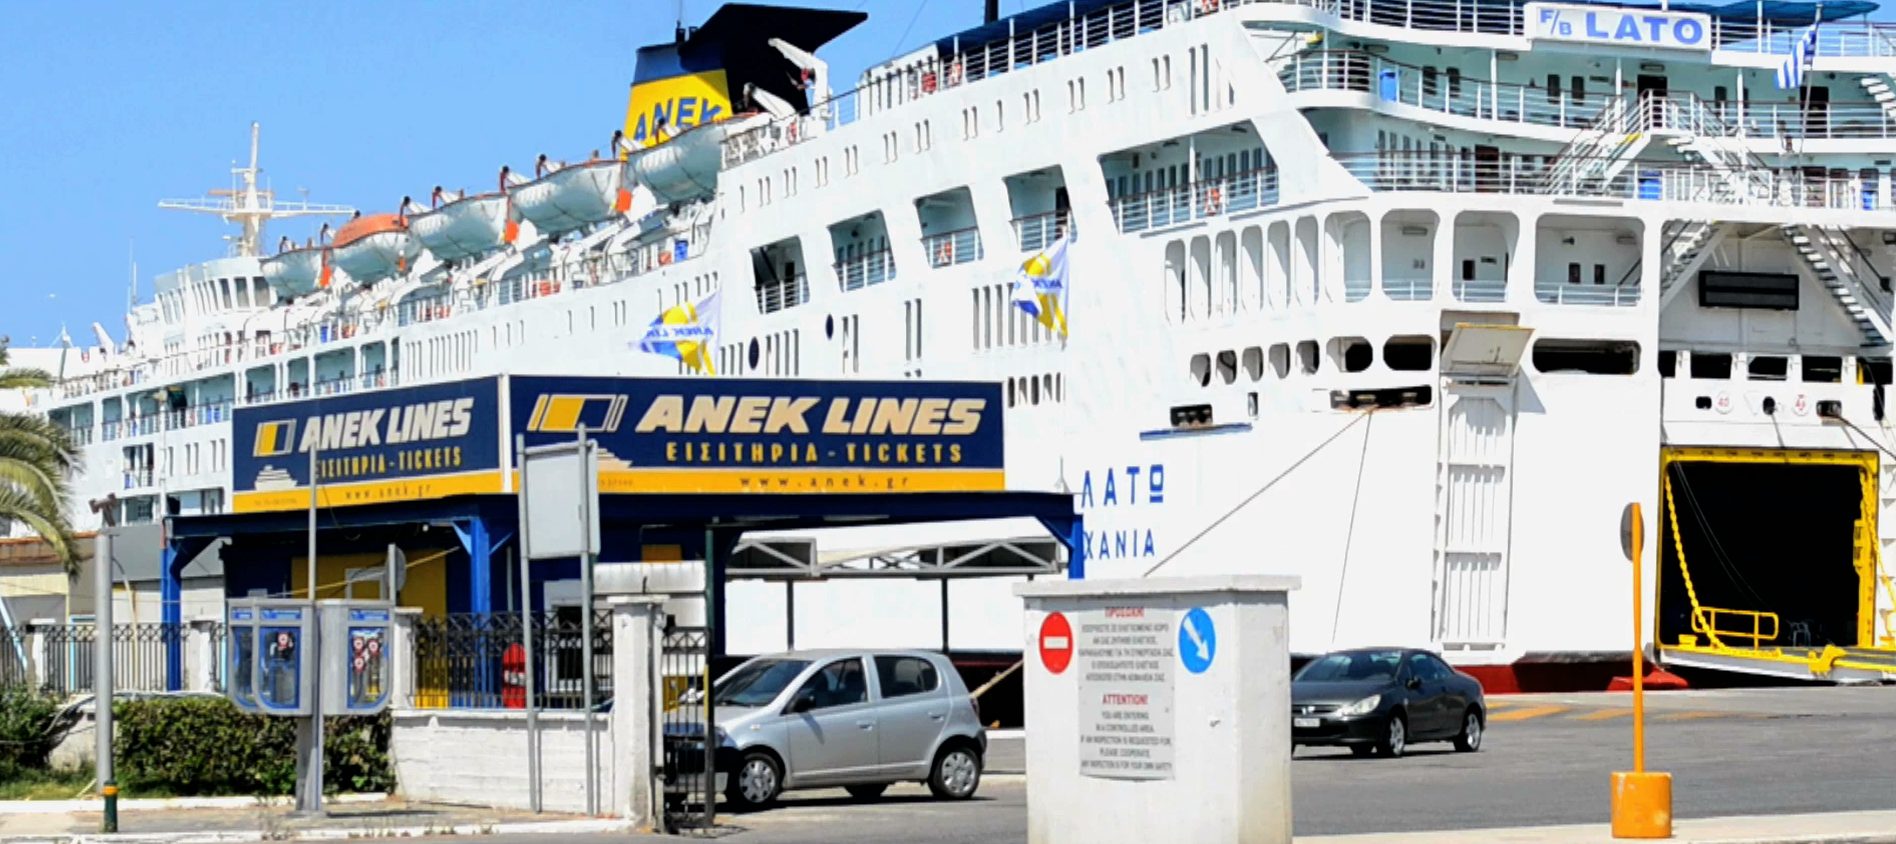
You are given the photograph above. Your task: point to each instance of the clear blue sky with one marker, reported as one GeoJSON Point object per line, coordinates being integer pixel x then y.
{"type": "Point", "coordinates": [111, 106]}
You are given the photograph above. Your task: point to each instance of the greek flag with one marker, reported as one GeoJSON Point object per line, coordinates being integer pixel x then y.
{"type": "Point", "coordinates": [688, 332]}
{"type": "Point", "coordinates": [1040, 287]}
{"type": "Point", "coordinates": [1791, 73]}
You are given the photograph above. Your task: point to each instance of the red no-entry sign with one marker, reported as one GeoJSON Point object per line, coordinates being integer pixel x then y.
{"type": "Point", "coordinates": [1056, 642]}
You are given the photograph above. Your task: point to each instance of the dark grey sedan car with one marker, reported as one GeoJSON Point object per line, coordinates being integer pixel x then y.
{"type": "Point", "coordinates": [1384, 699]}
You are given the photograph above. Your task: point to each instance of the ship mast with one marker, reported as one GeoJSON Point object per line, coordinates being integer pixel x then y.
{"type": "Point", "coordinates": [251, 207]}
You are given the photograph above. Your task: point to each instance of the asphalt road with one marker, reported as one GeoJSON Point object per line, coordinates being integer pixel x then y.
{"type": "Point", "coordinates": [1546, 761]}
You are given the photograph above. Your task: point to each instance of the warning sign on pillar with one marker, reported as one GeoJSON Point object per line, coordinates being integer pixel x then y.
{"type": "Point", "coordinates": [1056, 643]}
{"type": "Point", "coordinates": [1125, 659]}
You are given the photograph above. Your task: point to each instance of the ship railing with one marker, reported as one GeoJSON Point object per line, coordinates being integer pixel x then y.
{"type": "Point", "coordinates": [949, 248]}
{"type": "Point", "coordinates": [1480, 289]}
{"type": "Point", "coordinates": [1408, 288]}
{"type": "Point", "coordinates": [138, 478]}
{"type": "Point", "coordinates": [1793, 121]}
{"type": "Point", "coordinates": [774, 296]}
{"type": "Point", "coordinates": [80, 435]}
{"type": "Point", "coordinates": [1251, 189]}
{"type": "Point", "coordinates": [1640, 180]}
{"type": "Point", "coordinates": [1426, 88]}
{"type": "Point", "coordinates": [866, 269]}
{"type": "Point", "coordinates": [1564, 293]}
{"type": "Point", "coordinates": [1855, 38]}
{"type": "Point", "coordinates": [1035, 232]}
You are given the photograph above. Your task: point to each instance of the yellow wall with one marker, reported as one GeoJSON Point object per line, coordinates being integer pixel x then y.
{"type": "Point", "coordinates": [426, 589]}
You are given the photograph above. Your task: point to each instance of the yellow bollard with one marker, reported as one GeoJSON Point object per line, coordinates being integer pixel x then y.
{"type": "Point", "coordinates": [1642, 800]}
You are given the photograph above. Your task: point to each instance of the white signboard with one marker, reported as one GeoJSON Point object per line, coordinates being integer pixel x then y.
{"type": "Point", "coordinates": [559, 494]}
{"type": "Point", "coordinates": [1125, 657]}
{"type": "Point", "coordinates": [1620, 27]}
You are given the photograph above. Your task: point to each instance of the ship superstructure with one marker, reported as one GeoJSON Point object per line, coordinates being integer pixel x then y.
{"type": "Point", "coordinates": [1409, 299]}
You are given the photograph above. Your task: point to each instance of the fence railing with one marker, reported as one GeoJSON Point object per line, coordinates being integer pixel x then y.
{"type": "Point", "coordinates": [947, 249]}
{"type": "Point", "coordinates": [138, 656]}
{"type": "Point", "coordinates": [1038, 231]}
{"type": "Point", "coordinates": [15, 670]}
{"type": "Point", "coordinates": [476, 660]}
{"type": "Point", "coordinates": [774, 296]}
{"type": "Point", "coordinates": [1196, 200]}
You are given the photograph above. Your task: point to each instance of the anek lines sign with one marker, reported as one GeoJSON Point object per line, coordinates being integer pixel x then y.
{"type": "Point", "coordinates": [1619, 27]}
{"type": "Point", "coordinates": [389, 445]}
{"type": "Point", "coordinates": [717, 435]}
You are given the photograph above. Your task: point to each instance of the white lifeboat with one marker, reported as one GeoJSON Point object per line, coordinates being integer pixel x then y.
{"type": "Point", "coordinates": [373, 247]}
{"type": "Point", "coordinates": [567, 198]}
{"type": "Point", "coordinates": [294, 273]}
{"type": "Point", "coordinates": [686, 166]}
{"type": "Point", "coordinates": [462, 227]}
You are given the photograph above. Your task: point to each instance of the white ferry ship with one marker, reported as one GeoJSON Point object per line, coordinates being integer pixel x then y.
{"type": "Point", "coordinates": [1408, 298]}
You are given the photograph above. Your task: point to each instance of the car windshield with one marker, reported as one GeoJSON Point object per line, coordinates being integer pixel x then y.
{"type": "Point", "coordinates": [1354, 666]}
{"type": "Point", "coordinates": [758, 683]}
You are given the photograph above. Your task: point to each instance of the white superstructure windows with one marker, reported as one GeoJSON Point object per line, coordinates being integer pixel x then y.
{"type": "Point", "coordinates": [1030, 106]}
{"type": "Point", "coordinates": [924, 136]}
{"type": "Point", "coordinates": [912, 330]}
{"type": "Point", "coordinates": [1076, 94]}
{"type": "Point", "coordinates": [970, 123]}
{"type": "Point", "coordinates": [1115, 84]}
{"type": "Point", "coordinates": [852, 160]}
{"type": "Point", "coordinates": [891, 143]}
{"type": "Point", "coordinates": [1000, 115]}
{"type": "Point", "coordinates": [861, 249]}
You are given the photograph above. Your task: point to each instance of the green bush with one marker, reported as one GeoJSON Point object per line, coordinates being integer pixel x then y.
{"type": "Point", "coordinates": [204, 745]}
{"type": "Point", "coordinates": [31, 725]}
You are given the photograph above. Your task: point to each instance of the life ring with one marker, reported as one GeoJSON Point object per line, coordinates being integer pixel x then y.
{"type": "Point", "coordinates": [954, 72]}
{"type": "Point", "coordinates": [928, 82]}
{"type": "Point", "coordinates": [1206, 7]}
{"type": "Point", "coordinates": [1214, 201]}
{"type": "Point", "coordinates": [790, 131]}
{"type": "Point", "coordinates": [945, 253]}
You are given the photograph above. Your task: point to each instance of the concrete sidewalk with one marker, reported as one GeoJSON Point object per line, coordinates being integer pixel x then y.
{"type": "Point", "coordinates": [1830, 828]}
{"type": "Point", "coordinates": [255, 819]}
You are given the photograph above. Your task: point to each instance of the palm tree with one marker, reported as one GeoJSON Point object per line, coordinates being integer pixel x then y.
{"type": "Point", "coordinates": [36, 457]}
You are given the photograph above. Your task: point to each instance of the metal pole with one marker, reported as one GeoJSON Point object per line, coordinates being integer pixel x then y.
{"type": "Point", "coordinates": [709, 731]}
{"type": "Point", "coordinates": [102, 676]}
{"type": "Point", "coordinates": [309, 791]}
{"type": "Point", "coordinates": [1639, 648]}
{"type": "Point", "coordinates": [526, 630]}
{"type": "Point", "coordinates": [586, 618]}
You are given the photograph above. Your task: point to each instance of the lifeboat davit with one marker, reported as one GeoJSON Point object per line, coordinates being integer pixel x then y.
{"type": "Point", "coordinates": [686, 167]}
{"type": "Point", "coordinates": [373, 247]}
{"type": "Point", "coordinates": [294, 273]}
{"type": "Point", "coordinates": [572, 197]}
{"type": "Point", "coordinates": [462, 228]}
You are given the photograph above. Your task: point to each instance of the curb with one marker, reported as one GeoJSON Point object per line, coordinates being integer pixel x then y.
{"type": "Point", "coordinates": [577, 827]}
{"type": "Point", "coordinates": [151, 804]}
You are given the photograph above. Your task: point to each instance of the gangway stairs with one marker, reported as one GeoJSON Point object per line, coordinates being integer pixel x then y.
{"type": "Point", "coordinates": [1840, 269]}
{"type": "Point", "coordinates": [1591, 162]}
{"type": "Point", "coordinates": [1882, 88]}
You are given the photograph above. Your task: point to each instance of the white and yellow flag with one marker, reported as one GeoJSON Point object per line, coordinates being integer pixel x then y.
{"type": "Point", "coordinates": [1040, 287]}
{"type": "Point", "coordinates": [687, 331]}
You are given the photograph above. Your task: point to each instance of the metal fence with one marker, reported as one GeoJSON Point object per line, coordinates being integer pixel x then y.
{"type": "Point", "coordinates": [13, 650]}
{"type": "Point", "coordinates": [684, 669]}
{"type": "Point", "coordinates": [138, 656]}
{"type": "Point", "coordinates": [476, 660]}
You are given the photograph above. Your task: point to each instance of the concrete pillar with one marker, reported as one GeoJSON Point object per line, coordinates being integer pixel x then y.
{"type": "Point", "coordinates": [1158, 710]}
{"type": "Point", "coordinates": [38, 655]}
{"type": "Point", "coordinates": [401, 652]}
{"type": "Point", "coordinates": [637, 622]}
{"type": "Point", "coordinates": [201, 656]}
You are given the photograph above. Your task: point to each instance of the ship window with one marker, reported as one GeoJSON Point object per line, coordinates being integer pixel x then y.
{"type": "Point", "coordinates": [1579, 88]}
{"type": "Point", "coordinates": [1429, 84]}
{"type": "Point", "coordinates": [1873, 370]}
{"type": "Point", "coordinates": [1573, 272]}
{"type": "Point", "coordinates": [1254, 363]}
{"type": "Point", "coordinates": [1201, 369]}
{"type": "Point", "coordinates": [1599, 273]}
{"type": "Point", "coordinates": [1768, 368]}
{"type": "Point", "coordinates": [1668, 363]}
{"type": "Point", "coordinates": [1468, 269]}
{"type": "Point", "coordinates": [1228, 366]}
{"type": "Point", "coordinates": [1307, 356]}
{"type": "Point", "coordinates": [1712, 366]}
{"type": "Point", "coordinates": [1553, 87]}
{"type": "Point", "coordinates": [1595, 357]}
{"type": "Point", "coordinates": [1351, 354]}
{"type": "Point", "coordinates": [1280, 360]}
{"type": "Point", "coordinates": [1822, 370]}
{"type": "Point", "coordinates": [1411, 353]}
{"type": "Point", "coordinates": [1454, 82]}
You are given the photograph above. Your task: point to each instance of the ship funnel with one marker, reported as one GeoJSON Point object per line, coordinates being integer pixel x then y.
{"type": "Point", "coordinates": [992, 13]}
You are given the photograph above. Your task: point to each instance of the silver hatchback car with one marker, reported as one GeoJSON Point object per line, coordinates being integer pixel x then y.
{"type": "Point", "coordinates": [860, 719]}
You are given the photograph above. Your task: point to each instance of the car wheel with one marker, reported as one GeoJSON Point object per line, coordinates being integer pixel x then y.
{"type": "Point", "coordinates": [867, 792]}
{"type": "Point", "coordinates": [759, 780]}
{"type": "Point", "coordinates": [1469, 740]}
{"type": "Point", "coordinates": [1395, 737]}
{"type": "Point", "coordinates": [1361, 750]}
{"type": "Point", "coordinates": [956, 773]}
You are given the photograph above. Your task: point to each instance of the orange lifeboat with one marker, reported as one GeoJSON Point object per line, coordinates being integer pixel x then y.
{"type": "Point", "coordinates": [373, 247]}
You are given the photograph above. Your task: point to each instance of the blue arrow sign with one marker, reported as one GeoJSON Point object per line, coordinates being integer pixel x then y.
{"type": "Point", "coordinates": [1197, 640]}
